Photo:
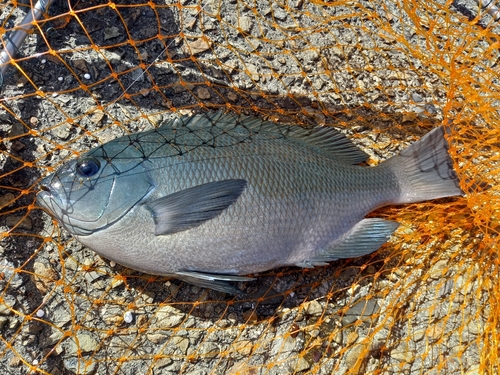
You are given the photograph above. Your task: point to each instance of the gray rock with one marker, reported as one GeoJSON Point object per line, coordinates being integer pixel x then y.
{"type": "Point", "coordinates": [313, 308]}
{"type": "Point", "coordinates": [83, 342]}
{"type": "Point", "coordinates": [18, 221]}
{"type": "Point", "coordinates": [61, 317]}
{"type": "Point", "coordinates": [7, 304]}
{"type": "Point", "coordinates": [174, 367]}
{"type": "Point", "coordinates": [157, 338]}
{"type": "Point", "coordinates": [80, 366]}
{"type": "Point", "coordinates": [280, 14]}
{"type": "Point", "coordinates": [354, 354]}
{"type": "Point", "coordinates": [7, 199]}
{"type": "Point", "coordinates": [15, 281]}
{"type": "Point", "coordinates": [243, 347]}
{"type": "Point", "coordinates": [301, 365]}
{"type": "Point", "coordinates": [168, 317]}
{"type": "Point", "coordinates": [62, 132]}
{"type": "Point", "coordinates": [254, 73]}
{"type": "Point", "coordinates": [17, 129]}
{"type": "Point", "coordinates": [198, 372]}
{"type": "Point", "coordinates": [198, 46]}
{"type": "Point", "coordinates": [363, 310]}
{"type": "Point", "coordinates": [339, 337]}
{"type": "Point", "coordinates": [474, 370]}
{"type": "Point", "coordinates": [13, 323]}
{"type": "Point", "coordinates": [439, 269]}
{"type": "Point", "coordinates": [245, 24]}
{"type": "Point", "coordinates": [475, 327]}
{"type": "Point", "coordinates": [431, 109]}
{"type": "Point", "coordinates": [137, 75]}
{"type": "Point", "coordinates": [182, 343]}
{"type": "Point", "coordinates": [44, 276]}
{"type": "Point", "coordinates": [282, 347]}
{"type": "Point", "coordinates": [111, 32]}
{"type": "Point", "coordinates": [91, 276]}
{"type": "Point", "coordinates": [401, 355]}
{"type": "Point", "coordinates": [209, 349]}
{"type": "Point", "coordinates": [416, 97]}
{"type": "Point", "coordinates": [203, 93]}
{"type": "Point", "coordinates": [162, 362]}
{"type": "Point", "coordinates": [3, 320]}
{"type": "Point", "coordinates": [54, 337]}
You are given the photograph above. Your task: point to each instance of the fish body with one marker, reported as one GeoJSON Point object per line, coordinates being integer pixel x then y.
{"type": "Point", "coordinates": [209, 197]}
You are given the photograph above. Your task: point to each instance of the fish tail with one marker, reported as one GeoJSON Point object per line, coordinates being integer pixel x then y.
{"type": "Point", "coordinates": [425, 170]}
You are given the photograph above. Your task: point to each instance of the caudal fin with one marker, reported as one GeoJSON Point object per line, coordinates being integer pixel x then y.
{"type": "Point", "coordinates": [425, 169]}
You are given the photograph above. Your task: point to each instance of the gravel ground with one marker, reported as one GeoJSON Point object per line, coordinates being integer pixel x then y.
{"type": "Point", "coordinates": [63, 309]}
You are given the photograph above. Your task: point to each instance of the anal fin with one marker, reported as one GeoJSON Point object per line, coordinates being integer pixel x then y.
{"type": "Point", "coordinates": [364, 238]}
{"type": "Point", "coordinates": [218, 282]}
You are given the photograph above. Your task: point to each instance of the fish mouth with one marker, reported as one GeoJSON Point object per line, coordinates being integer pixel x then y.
{"type": "Point", "coordinates": [52, 198]}
{"type": "Point", "coordinates": [44, 196]}
{"type": "Point", "coordinates": [46, 193]}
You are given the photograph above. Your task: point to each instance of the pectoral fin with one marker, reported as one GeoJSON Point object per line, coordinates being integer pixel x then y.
{"type": "Point", "coordinates": [364, 238]}
{"type": "Point", "coordinates": [218, 282]}
{"type": "Point", "coordinates": [192, 207]}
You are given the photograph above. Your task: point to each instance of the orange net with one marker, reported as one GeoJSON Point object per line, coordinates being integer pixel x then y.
{"type": "Point", "coordinates": [383, 72]}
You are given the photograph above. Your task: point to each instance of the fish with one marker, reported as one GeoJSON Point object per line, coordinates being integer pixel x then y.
{"type": "Point", "coordinates": [215, 197]}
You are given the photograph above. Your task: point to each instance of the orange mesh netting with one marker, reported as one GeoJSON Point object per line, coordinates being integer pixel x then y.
{"type": "Point", "coordinates": [384, 72]}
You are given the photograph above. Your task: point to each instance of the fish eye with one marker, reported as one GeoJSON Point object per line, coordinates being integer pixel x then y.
{"type": "Point", "coordinates": [88, 167]}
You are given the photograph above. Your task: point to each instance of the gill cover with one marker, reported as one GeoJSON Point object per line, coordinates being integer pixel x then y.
{"type": "Point", "coordinates": [94, 191]}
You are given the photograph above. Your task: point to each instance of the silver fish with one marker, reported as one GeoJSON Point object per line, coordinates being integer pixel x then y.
{"type": "Point", "coordinates": [208, 198]}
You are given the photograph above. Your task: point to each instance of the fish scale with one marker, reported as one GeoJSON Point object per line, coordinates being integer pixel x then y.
{"type": "Point", "coordinates": [209, 197]}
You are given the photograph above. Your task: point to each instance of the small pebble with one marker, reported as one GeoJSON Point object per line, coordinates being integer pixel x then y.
{"type": "Point", "coordinates": [416, 97]}
{"type": "Point", "coordinates": [128, 317]}
{"type": "Point", "coordinates": [313, 308]}
{"type": "Point", "coordinates": [232, 317]}
{"type": "Point", "coordinates": [35, 362]}
{"type": "Point", "coordinates": [250, 316]}
{"type": "Point", "coordinates": [60, 79]}
{"type": "Point", "coordinates": [44, 61]}
{"type": "Point", "coordinates": [112, 264]}
{"type": "Point", "coordinates": [353, 289]}
{"type": "Point", "coordinates": [86, 76]}
{"type": "Point", "coordinates": [40, 313]}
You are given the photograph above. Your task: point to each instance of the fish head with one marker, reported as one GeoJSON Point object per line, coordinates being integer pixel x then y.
{"type": "Point", "coordinates": [94, 191]}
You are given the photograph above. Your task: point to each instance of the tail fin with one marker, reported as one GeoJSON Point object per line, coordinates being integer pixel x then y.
{"type": "Point", "coordinates": [425, 170]}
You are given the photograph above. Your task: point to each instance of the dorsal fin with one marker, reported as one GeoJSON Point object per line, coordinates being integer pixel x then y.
{"type": "Point", "coordinates": [327, 139]}
{"type": "Point", "coordinates": [331, 141]}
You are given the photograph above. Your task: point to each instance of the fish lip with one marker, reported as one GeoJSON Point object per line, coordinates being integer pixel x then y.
{"type": "Point", "coordinates": [46, 191]}
{"type": "Point", "coordinates": [44, 196]}
{"type": "Point", "coordinates": [48, 199]}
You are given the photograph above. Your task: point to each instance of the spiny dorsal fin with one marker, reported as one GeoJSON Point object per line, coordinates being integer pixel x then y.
{"type": "Point", "coordinates": [327, 139]}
